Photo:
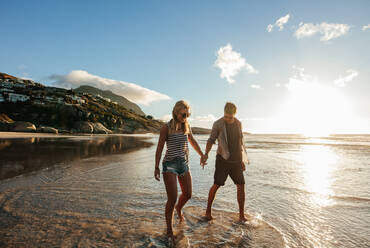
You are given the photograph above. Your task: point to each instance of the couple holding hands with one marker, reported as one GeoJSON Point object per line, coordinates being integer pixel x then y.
{"type": "Point", "coordinates": [230, 159]}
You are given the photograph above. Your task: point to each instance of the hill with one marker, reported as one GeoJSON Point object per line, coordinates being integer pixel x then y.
{"type": "Point", "coordinates": [110, 95]}
{"type": "Point", "coordinates": [33, 106]}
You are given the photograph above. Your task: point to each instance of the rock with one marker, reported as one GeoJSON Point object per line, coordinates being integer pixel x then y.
{"type": "Point", "coordinates": [4, 126]}
{"type": "Point", "coordinates": [100, 128]}
{"type": "Point", "coordinates": [44, 129]}
{"type": "Point", "coordinates": [84, 127]}
{"type": "Point", "coordinates": [140, 131]}
{"type": "Point", "coordinates": [23, 126]}
{"type": "Point", "coordinates": [5, 118]}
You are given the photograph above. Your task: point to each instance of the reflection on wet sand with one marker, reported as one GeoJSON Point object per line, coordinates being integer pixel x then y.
{"type": "Point", "coordinates": [80, 216]}
{"type": "Point", "coordinates": [113, 201]}
{"type": "Point", "coordinates": [19, 156]}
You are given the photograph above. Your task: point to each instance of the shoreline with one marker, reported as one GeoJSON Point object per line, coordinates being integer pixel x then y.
{"type": "Point", "coordinates": [13, 135]}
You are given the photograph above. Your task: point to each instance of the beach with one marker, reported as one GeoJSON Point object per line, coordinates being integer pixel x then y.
{"type": "Point", "coordinates": [300, 192]}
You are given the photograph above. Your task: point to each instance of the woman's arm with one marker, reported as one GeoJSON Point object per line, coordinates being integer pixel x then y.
{"type": "Point", "coordinates": [194, 144]}
{"type": "Point", "coordinates": [158, 154]}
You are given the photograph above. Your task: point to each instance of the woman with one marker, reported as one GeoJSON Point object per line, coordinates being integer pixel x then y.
{"type": "Point", "coordinates": [176, 133]}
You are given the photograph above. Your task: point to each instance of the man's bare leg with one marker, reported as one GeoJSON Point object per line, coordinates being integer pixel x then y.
{"type": "Point", "coordinates": [241, 200]}
{"type": "Point", "coordinates": [211, 197]}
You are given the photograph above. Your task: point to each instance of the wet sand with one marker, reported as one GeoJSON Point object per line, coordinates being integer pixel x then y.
{"type": "Point", "coordinates": [23, 155]}
{"type": "Point", "coordinates": [112, 201]}
{"type": "Point", "coordinates": [12, 135]}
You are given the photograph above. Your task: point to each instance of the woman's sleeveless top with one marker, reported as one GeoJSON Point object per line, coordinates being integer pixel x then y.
{"type": "Point", "coordinates": [177, 146]}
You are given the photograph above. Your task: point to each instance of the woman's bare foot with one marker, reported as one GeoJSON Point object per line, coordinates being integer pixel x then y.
{"type": "Point", "coordinates": [209, 216]}
{"type": "Point", "coordinates": [179, 214]}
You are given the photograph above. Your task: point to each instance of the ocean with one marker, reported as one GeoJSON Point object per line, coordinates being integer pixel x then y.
{"type": "Point", "coordinates": [99, 191]}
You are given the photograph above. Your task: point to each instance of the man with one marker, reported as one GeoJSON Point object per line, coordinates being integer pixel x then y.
{"type": "Point", "coordinates": [229, 160]}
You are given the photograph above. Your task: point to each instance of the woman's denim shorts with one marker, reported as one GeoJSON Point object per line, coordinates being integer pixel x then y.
{"type": "Point", "coordinates": [178, 166]}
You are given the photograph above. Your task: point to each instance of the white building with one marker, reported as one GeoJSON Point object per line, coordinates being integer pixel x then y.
{"type": "Point", "coordinates": [17, 97]}
{"type": "Point", "coordinates": [6, 90]}
{"type": "Point", "coordinates": [49, 98]}
{"type": "Point", "coordinates": [7, 84]}
{"type": "Point", "coordinates": [77, 98]}
{"type": "Point", "coordinates": [20, 85]}
{"type": "Point", "coordinates": [38, 102]}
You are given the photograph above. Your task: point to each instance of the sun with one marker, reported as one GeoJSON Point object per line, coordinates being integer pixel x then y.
{"type": "Point", "coordinates": [314, 109]}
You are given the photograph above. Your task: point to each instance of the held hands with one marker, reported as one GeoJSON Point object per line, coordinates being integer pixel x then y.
{"type": "Point", "coordinates": [157, 174]}
{"type": "Point", "coordinates": [203, 160]}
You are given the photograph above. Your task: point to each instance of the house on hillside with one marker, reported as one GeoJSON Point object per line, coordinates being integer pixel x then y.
{"type": "Point", "coordinates": [13, 97]}
{"type": "Point", "coordinates": [6, 90]}
{"type": "Point", "coordinates": [6, 84]}
{"type": "Point", "coordinates": [78, 99]}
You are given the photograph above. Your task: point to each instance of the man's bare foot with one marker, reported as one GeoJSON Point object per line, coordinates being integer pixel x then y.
{"type": "Point", "coordinates": [209, 216]}
{"type": "Point", "coordinates": [243, 219]}
{"type": "Point", "coordinates": [179, 214]}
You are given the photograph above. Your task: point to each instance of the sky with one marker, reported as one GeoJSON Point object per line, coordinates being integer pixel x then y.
{"type": "Point", "coordinates": [289, 66]}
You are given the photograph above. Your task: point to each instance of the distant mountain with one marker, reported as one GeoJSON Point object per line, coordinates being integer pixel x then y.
{"type": "Point", "coordinates": [200, 130]}
{"type": "Point", "coordinates": [124, 102]}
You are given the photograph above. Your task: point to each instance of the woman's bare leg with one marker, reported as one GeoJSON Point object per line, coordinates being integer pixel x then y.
{"type": "Point", "coordinates": [171, 189]}
{"type": "Point", "coordinates": [186, 189]}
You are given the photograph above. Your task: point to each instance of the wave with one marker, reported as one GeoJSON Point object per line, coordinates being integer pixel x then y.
{"type": "Point", "coordinates": [252, 144]}
{"type": "Point", "coordinates": [337, 197]}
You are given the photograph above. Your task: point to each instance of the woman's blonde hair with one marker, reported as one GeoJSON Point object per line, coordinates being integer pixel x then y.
{"type": "Point", "coordinates": [185, 127]}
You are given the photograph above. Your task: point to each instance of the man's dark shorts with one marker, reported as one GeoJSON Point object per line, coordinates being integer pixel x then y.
{"type": "Point", "coordinates": [224, 169]}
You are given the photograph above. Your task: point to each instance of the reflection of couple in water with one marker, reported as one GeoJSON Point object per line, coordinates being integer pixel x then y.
{"type": "Point", "coordinates": [230, 159]}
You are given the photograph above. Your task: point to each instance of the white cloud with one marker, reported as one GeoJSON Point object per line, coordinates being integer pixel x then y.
{"type": "Point", "coordinates": [207, 118]}
{"type": "Point", "coordinates": [366, 27]}
{"type": "Point", "coordinates": [166, 118]}
{"type": "Point", "coordinates": [277, 85]}
{"type": "Point", "coordinates": [300, 80]}
{"type": "Point", "coordinates": [252, 119]}
{"type": "Point", "coordinates": [131, 91]}
{"type": "Point", "coordinates": [328, 30]}
{"type": "Point", "coordinates": [255, 86]}
{"type": "Point", "coordinates": [279, 23]}
{"type": "Point", "coordinates": [341, 81]}
{"type": "Point", "coordinates": [231, 63]}
{"type": "Point", "coordinates": [22, 67]}
{"type": "Point", "coordinates": [27, 78]}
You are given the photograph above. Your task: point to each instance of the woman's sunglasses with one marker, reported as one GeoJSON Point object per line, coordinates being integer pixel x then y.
{"type": "Point", "coordinates": [185, 115]}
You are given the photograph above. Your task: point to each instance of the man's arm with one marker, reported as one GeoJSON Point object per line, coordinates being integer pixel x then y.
{"type": "Point", "coordinates": [244, 148]}
{"type": "Point", "coordinates": [212, 140]}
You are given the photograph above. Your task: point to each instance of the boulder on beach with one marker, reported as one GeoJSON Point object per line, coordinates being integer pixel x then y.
{"type": "Point", "coordinates": [100, 128]}
{"type": "Point", "coordinates": [5, 118]}
{"type": "Point", "coordinates": [44, 129]}
{"type": "Point", "coordinates": [23, 126]}
{"type": "Point", "coordinates": [140, 130]}
{"type": "Point", "coordinates": [84, 127]}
